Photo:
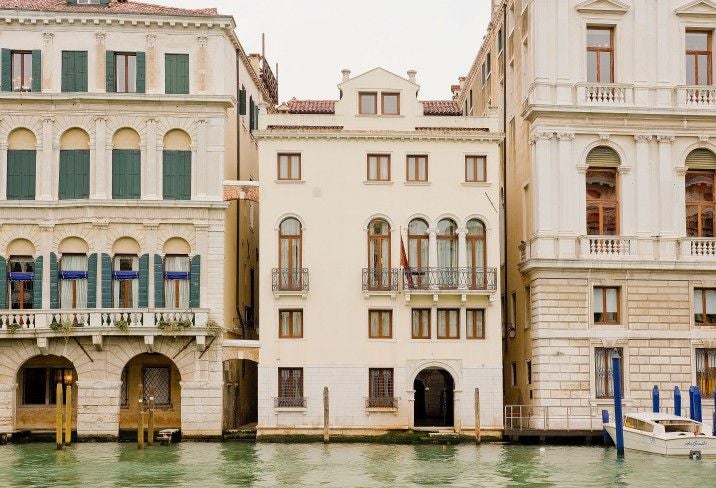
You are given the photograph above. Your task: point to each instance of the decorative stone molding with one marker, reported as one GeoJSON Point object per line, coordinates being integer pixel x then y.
{"type": "Point", "coordinates": [698, 8]}
{"type": "Point", "coordinates": [582, 169]}
{"type": "Point", "coordinates": [604, 136]}
{"type": "Point", "coordinates": [151, 40]}
{"type": "Point", "coordinates": [565, 136]}
{"type": "Point", "coordinates": [101, 37]}
{"type": "Point", "coordinates": [623, 170]}
{"type": "Point", "coordinates": [617, 7]}
{"type": "Point", "coordinates": [541, 136]}
{"type": "Point", "coordinates": [643, 138]}
{"type": "Point", "coordinates": [681, 170]}
{"type": "Point", "coordinates": [48, 37]}
{"type": "Point", "coordinates": [665, 139]}
{"type": "Point", "coordinates": [203, 40]}
{"type": "Point", "coordinates": [704, 138]}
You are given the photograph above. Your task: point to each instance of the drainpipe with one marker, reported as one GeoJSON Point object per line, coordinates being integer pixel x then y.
{"type": "Point", "coordinates": [504, 147]}
{"type": "Point", "coordinates": [238, 202]}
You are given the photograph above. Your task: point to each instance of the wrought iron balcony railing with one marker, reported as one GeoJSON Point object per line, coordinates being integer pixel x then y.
{"type": "Point", "coordinates": [289, 279]}
{"type": "Point", "coordinates": [289, 402]}
{"type": "Point", "coordinates": [381, 402]}
{"type": "Point", "coordinates": [380, 279]}
{"type": "Point", "coordinates": [450, 279]}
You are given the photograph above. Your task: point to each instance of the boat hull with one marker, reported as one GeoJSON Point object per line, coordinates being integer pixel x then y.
{"type": "Point", "coordinates": [682, 445]}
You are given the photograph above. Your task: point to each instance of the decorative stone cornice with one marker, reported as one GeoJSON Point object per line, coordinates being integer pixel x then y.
{"type": "Point", "coordinates": [642, 138]}
{"type": "Point", "coordinates": [665, 139]}
{"type": "Point", "coordinates": [565, 136]}
{"type": "Point", "coordinates": [623, 170]}
{"type": "Point", "coordinates": [582, 169]}
{"type": "Point", "coordinates": [681, 170]}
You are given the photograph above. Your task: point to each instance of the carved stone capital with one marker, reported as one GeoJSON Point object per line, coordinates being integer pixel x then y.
{"type": "Point", "coordinates": [203, 40]}
{"type": "Point", "coordinates": [541, 136]}
{"type": "Point", "coordinates": [151, 40]}
{"type": "Point", "coordinates": [623, 170]}
{"type": "Point", "coordinates": [643, 138]}
{"type": "Point", "coordinates": [582, 169]}
{"type": "Point", "coordinates": [48, 37]}
{"type": "Point", "coordinates": [565, 136]}
{"type": "Point", "coordinates": [681, 170]}
{"type": "Point", "coordinates": [604, 136]}
{"type": "Point", "coordinates": [100, 36]}
{"type": "Point", "coordinates": [665, 139]}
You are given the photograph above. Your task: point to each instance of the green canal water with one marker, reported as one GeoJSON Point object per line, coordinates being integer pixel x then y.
{"type": "Point", "coordinates": [208, 465]}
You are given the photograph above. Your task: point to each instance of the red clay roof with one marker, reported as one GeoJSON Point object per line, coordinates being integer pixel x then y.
{"type": "Point", "coordinates": [441, 107]}
{"type": "Point", "coordinates": [113, 8]}
{"type": "Point", "coordinates": [311, 106]}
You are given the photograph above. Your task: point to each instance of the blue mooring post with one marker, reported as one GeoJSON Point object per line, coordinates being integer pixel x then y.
{"type": "Point", "coordinates": [605, 420]}
{"type": "Point", "coordinates": [655, 399]}
{"type": "Point", "coordinates": [697, 405]}
{"type": "Point", "coordinates": [713, 425]}
{"type": "Point", "coordinates": [618, 415]}
{"type": "Point", "coordinates": [677, 401]}
{"type": "Point", "coordinates": [691, 402]}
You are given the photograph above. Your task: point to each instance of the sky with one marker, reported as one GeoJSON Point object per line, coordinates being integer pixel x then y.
{"type": "Point", "coordinates": [312, 40]}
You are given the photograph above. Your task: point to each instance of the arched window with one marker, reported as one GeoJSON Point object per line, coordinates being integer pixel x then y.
{"type": "Point", "coordinates": [290, 236]}
{"type": "Point", "coordinates": [699, 183]}
{"type": "Point", "coordinates": [476, 255]}
{"type": "Point", "coordinates": [379, 274]}
{"type": "Point", "coordinates": [602, 192]}
{"type": "Point", "coordinates": [21, 276]}
{"type": "Point", "coordinates": [74, 165]}
{"type": "Point", "coordinates": [21, 165]}
{"type": "Point", "coordinates": [126, 165]}
{"type": "Point", "coordinates": [447, 254]}
{"type": "Point", "coordinates": [418, 245]}
{"type": "Point", "coordinates": [177, 165]}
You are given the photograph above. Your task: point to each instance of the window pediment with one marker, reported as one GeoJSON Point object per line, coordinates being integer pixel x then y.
{"type": "Point", "coordinates": [698, 8]}
{"type": "Point", "coordinates": [603, 7]}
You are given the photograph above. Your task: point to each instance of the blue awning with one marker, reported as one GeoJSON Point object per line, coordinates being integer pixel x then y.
{"type": "Point", "coordinates": [125, 275]}
{"type": "Point", "coordinates": [73, 275]}
{"type": "Point", "coordinates": [177, 275]}
{"type": "Point", "coordinates": [17, 276]}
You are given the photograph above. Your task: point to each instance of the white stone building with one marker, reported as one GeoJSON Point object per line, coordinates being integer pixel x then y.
{"type": "Point", "coordinates": [118, 128]}
{"type": "Point", "coordinates": [610, 164]}
{"type": "Point", "coordinates": [347, 187]}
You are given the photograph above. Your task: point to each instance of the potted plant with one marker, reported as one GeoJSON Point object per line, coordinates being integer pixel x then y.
{"type": "Point", "coordinates": [13, 327]}
{"type": "Point", "coordinates": [122, 325]}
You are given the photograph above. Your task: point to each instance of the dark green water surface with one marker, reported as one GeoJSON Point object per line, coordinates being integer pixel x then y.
{"type": "Point", "coordinates": [208, 465]}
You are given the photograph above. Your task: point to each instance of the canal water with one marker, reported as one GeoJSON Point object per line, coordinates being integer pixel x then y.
{"type": "Point", "coordinates": [208, 465]}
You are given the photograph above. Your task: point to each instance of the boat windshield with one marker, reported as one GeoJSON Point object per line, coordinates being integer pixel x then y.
{"type": "Point", "coordinates": [637, 424]}
{"type": "Point", "coordinates": [679, 425]}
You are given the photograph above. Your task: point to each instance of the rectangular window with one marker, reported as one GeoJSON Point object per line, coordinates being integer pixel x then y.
{"type": "Point", "coordinates": [378, 167]}
{"type": "Point", "coordinates": [380, 388]}
{"type": "Point", "coordinates": [416, 168]}
{"type": "Point", "coordinates": [475, 323]}
{"type": "Point", "coordinates": [290, 324]}
{"type": "Point", "coordinates": [606, 305]}
{"type": "Point", "coordinates": [390, 103]}
{"type": "Point", "coordinates": [21, 71]}
{"type": "Point", "coordinates": [528, 307]}
{"type": "Point", "coordinates": [602, 201]}
{"type": "Point", "coordinates": [475, 169]}
{"type": "Point", "coordinates": [290, 388]}
{"type": "Point", "coordinates": [699, 69]}
{"type": "Point", "coordinates": [73, 281]}
{"type": "Point", "coordinates": [177, 274]}
{"type": "Point", "coordinates": [380, 324]}
{"type": "Point", "coordinates": [21, 276]}
{"type": "Point", "coordinates": [124, 390]}
{"type": "Point", "coordinates": [600, 54]}
{"type": "Point", "coordinates": [706, 371]}
{"type": "Point", "coordinates": [700, 206]}
{"type": "Point", "coordinates": [176, 73]}
{"type": "Point", "coordinates": [289, 166]}
{"type": "Point", "coordinates": [156, 382]}
{"type": "Point", "coordinates": [125, 65]}
{"type": "Point", "coordinates": [529, 372]}
{"type": "Point", "coordinates": [421, 323]}
{"type": "Point", "coordinates": [603, 377]}
{"type": "Point", "coordinates": [125, 281]}
{"type": "Point", "coordinates": [40, 384]}
{"type": "Point", "coordinates": [513, 307]}
{"type": "Point", "coordinates": [448, 323]}
{"type": "Point", "coordinates": [74, 71]}
{"type": "Point", "coordinates": [500, 40]}
{"type": "Point", "coordinates": [705, 306]}
{"type": "Point", "coordinates": [368, 103]}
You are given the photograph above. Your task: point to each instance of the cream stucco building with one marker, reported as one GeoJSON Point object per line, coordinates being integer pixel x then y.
{"type": "Point", "coordinates": [118, 131]}
{"type": "Point", "coordinates": [609, 174]}
{"type": "Point", "coordinates": [380, 257]}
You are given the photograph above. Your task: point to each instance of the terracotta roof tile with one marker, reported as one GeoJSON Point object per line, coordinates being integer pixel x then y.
{"type": "Point", "coordinates": [441, 107]}
{"type": "Point", "coordinates": [311, 106]}
{"type": "Point", "coordinates": [113, 8]}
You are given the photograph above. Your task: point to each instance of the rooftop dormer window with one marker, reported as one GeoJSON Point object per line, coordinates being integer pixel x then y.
{"type": "Point", "coordinates": [88, 2]}
{"type": "Point", "coordinates": [390, 103]}
{"type": "Point", "coordinates": [368, 103]}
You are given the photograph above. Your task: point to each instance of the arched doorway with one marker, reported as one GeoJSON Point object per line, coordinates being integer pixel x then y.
{"type": "Point", "coordinates": [155, 375]}
{"type": "Point", "coordinates": [434, 398]}
{"type": "Point", "coordinates": [37, 381]}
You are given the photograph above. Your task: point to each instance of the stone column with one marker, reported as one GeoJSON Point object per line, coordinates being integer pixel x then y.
{"type": "Point", "coordinates": [98, 409]}
{"type": "Point", "coordinates": [100, 63]}
{"type": "Point", "coordinates": [566, 183]}
{"type": "Point", "coordinates": [200, 166]}
{"type": "Point", "coordinates": [151, 167]}
{"type": "Point", "coordinates": [643, 209]}
{"type": "Point", "coordinates": [47, 59]}
{"type": "Point", "coordinates": [627, 200]}
{"type": "Point", "coordinates": [151, 65]}
{"type": "Point", "coordinates": [98, 164]}
{"type": "Point", "coordinates": [3, 171]}
{"type": "Point", "coordinates": [666, 186]}
{"type": "Point", "coordinates": [202, 68]}
{"type": "Point", "coordinates": [432, 248]}
{"type": "Point", "coordinates": [679, 223]}
{"type": "Point", "coordinates": [47, 162]}
{"type": "Point", "coordinates": [541, 187]}
{"type": "Point", "coordinates": [462, 262]}
{"type": "Point", "coordinates": [44, 248]}
{"type": "Point", "coordinates": [580, 198]}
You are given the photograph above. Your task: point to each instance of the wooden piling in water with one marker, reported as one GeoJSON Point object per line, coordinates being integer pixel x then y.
{"type": "Point", "coordinates": [326, 435]}
{"type": "Point", "coordinates": [68, 416]}
{"type": "Point", "coordinates": [140, 419]}
{"type": "Point", "coordinates": [58, 426]}
{"type": "Point", "coordinates": [478, 434]}
{"type": "Point", "coordinates": [150, 423]}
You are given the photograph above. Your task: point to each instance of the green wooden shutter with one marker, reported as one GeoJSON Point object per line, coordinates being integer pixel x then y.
{"type": "Point", "coordinates": [74, 174]}
{"type": "Point", "coordinates": [158, 281]}
{"type": "Point", "coordinates": [256, 117]}
{"type": "Point", "coordinates": [72, 1]}
{"type": "Point", "coordinates": [21, 169]}
{"type": "Point", "coordinates": [109, 70]}
{"type": "Point", "coordinates": [67, 168]}
{"type": "Point", "coordinates": [141, 72]}
{"type": "Point", "coordinates": [176, 73]}
{"type": "Point", "coordinates": [106, 281]}
{"type": "Point", "coordinates": [251, 113]}
{"type": "Point", "coordinates": [177, 175]}
{"type": "Point", "coordinates": [169, 73]}
{"type": "Point", "coordinates": [37, 283]}
{"type": "Point", "coordinates": [103, 2]}
{"type": "Point", "coordinates": [183, 74]}
{"type": "Point", "coordinates": [74, 71]}
{"type": "Point", "coordinates": [126, 177]}
{"type": "Point", "coordinates": [92, 281]}
{"type": "Point", "coordinates": [5, 66]}
{"type": "Point", "coordinates": [3, 283]}
{"type": "Point", "coordinates": [54, 290]}
{"type": "Point", "coordinates": [195, 280]}
{"type": "Point", "coordinates": [68, 72]}
{"type": "Point", "coordinates": [36, 70]}
{"type": "Point", "coordinates": [144, 281]}
{"type": "Point", "coordinates": [242, 102]}
{"type": "Point", "coordinates": [81, 76]}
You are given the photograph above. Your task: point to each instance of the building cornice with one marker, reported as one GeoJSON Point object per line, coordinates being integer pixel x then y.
{"type": "Point", "coordinates": [382, 135]}
{"type": "Point", "coordinates": [119, 98]}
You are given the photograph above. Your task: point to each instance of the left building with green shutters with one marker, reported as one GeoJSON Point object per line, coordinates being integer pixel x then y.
{"type": "Point", "coordinates": [116, 138]}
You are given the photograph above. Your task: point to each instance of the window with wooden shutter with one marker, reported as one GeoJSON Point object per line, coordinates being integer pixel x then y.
{"type": "Point", "coordinates": [242, 101]}
{"type": "Point", "coordinates": [74, 174]}
{"type": "Point", "coordinates": [126, 179]}
{"type": "Point", "coordinates": [21, 167]}
{"type": "Point", "coordinates": [176, 74]}
{"type": "Point", "coordinates": [177, 175]}
{"type": "Point", "coordinates": [74, 71]}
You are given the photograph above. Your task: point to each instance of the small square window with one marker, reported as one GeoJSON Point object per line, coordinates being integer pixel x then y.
{"type": "Point", "coordinates": [705, 306]}
{"type": "Point", "coordinates": [606, 305]}
{"type": "Point", "coordinates": [390, 103]}
{"type": "Point", "coordinates": [289, 166]}
{"type": "Point", "coordinates": [368, 102]}
{"type": "Point", "coordinates": [421, 323]}
{"type": "Point", "coordinates": [380, 324]}
{"type": "Point", "coordinates": [475, 169]}
{"type": "Point", "coordinates": [475, 323]}
{"type": "Point", "coordinates": [417, 169]}
{"type": "Point", "coordinates": [290, 324]}
{"type": "Point", "coordinates": [449, 323]}
{"type": "Point", "coordinates": [378, 167]}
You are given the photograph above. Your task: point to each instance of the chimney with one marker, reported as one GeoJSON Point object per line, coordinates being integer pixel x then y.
{"type": "Point", "coordinates": [411, 75]}
{"type": "Point", "coordinates": [346, 74]}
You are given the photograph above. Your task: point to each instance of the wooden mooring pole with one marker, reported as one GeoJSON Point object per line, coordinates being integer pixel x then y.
{"type": "Point", "coordinates": [58, 402]}
{"type": "Point", "coordinates": [478, 435]}
{"type": "Point", "coordinates": [326, 435]}
{"type": "Point", "coordinates": [68, 416]}
{"type": "Point", "coordinates": [140, 419]}
{"type": "Point", "coordinates": [150, 422]}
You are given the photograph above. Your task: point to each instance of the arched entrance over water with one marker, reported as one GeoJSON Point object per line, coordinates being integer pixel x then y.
{"type": "Point", "coordinates": [434, 403]}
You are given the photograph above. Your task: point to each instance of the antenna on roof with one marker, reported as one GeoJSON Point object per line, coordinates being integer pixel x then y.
{"type": "Point", "coordinates": [263, 45]}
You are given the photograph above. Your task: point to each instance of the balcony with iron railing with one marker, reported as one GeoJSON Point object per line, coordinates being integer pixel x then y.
{"type": "Point", "coordinates": [377, 280]}
{"type": "Point", "coordinates": [290, 402]}
{"type": "Point", "coordinates": [381, 402]}
{"type": "Point", "coordinates": [434, 280]}
{"type": "Point", "coordinates": [289, 280]}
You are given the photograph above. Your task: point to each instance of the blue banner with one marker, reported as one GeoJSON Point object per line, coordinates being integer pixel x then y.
{"type": "Point", "coordinates": [177, 275]}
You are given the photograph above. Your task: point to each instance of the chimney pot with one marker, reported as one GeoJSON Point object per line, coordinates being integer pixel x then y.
{"type": "Point", "coordinates": [411, 75]}
{"type": "Point", "coordinates": [346, 74]}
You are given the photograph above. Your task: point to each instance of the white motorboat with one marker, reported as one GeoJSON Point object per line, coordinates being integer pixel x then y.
{"type": "Point", "coordinates": [665, 434]}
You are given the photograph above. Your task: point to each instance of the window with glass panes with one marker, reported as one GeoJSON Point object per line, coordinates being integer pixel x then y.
{"type": "Point", "coordinates": [21, 70]}
{"type": "Point", "coordinates": [39, 384]}
{"type": "Point", "coordinates": [125, 281]}
{"type": "Point", "coordinates": [600, 54]}
{"type": "Point", "coordinates": [177, 274]}
{"type": "Point", "coordinates": [378, 167]}
{"type": "Point", "coordinates": [698, 57]}
{"type": "Point", "coordinates": [705, 306]}
{"type": "Point", "coordinates": [380, 324]}
{"type": "Point", "coordinates": [475, 323]}
{"type": "Point", "coordinates": [289, 166]}
{"type": "Point", "coordinates": [390, 103]}
{"type": "Point", "coordinates": [290, 324]}
{"type": "Point", "coordinates": [606, 305]}
{"type": "Point", "coordinates": [700, 203]}
{"type": "Point", "coordinates": [416, 168]}
{"type": "Point", "coordinates": [475, 169]}
{"type": "Point", "coordinates": [290, 387]}
{"type": "Point", "coordinates": [125, 65]}
{"type": "Point", "coordinates": [380, 388]}
{"type": "Point", "coordinates": [448, 323]}
{"type": "Point", "coordinates": [603, 372]}
{"type": "Point", "coordinates": [73, 281]}
{"type": "Point", "coordinates": [21, 276]}
{"type": "Point", "coordinates": [368, 103]}
{"type": "Point", "coordinates": [421, 323]}
{"type": "Point", "coordinates": [602, 202]}
{"type": "Point", "coordinates": [706, 371]}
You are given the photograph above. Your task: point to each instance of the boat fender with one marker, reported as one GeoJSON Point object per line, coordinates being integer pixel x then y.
{"type": "Point", "coordinates": [695, 455]}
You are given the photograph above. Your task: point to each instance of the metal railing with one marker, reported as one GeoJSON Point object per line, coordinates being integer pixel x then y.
{"type": "Point", "coordinates": [436, 279]}
{"type": "Point", "coordinates": [289, 279]}
{"type": "Point", "coordinates": [381, 402]}
{"type": "Point", "coordinates": [289, 402]}
{"type": "Point", "coordinates": [380, 279]}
